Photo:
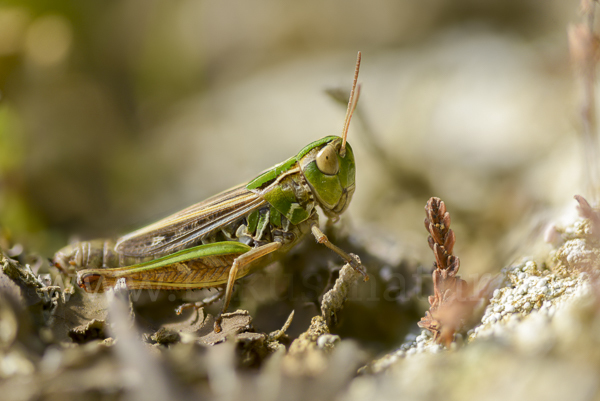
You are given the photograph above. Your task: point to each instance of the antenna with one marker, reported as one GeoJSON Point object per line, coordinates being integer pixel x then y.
{"type": "Point", "coordinates": [354, 95]}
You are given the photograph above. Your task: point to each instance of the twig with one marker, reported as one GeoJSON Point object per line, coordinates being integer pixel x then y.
{"type": "Point", "coordinates": [333, 301]}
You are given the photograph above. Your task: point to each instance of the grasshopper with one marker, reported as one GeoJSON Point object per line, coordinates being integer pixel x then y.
{"type": "Point", "coordinates": [230, 235]}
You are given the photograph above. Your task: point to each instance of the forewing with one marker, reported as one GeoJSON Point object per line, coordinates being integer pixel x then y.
{"type": "Point", "coordinates": [187, 227]}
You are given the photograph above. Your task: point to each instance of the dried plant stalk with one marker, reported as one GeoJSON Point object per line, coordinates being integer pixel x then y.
{"type": "Point", "coordinates": [448, 304]}
{"type": "Point", "coordinates": [584, 46]}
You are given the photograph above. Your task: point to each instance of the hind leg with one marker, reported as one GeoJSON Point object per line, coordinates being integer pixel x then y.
{"type": "Point", "coordinates": [239, 263]}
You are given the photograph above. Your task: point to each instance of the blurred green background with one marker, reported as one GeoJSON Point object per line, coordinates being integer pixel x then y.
{"type": "Point", "coordinates": [117, 113]}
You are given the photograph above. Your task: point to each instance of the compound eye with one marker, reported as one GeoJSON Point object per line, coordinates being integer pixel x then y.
{"type": "Point", "coordinates": [327, 160]}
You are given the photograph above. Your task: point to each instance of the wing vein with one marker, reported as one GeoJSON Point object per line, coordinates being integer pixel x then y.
{"type": "Point", "coordinates": [187, 227]}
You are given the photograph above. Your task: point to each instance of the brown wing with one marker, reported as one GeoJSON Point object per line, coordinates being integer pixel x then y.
{"type": "Point", "coordinates": [187, 227]}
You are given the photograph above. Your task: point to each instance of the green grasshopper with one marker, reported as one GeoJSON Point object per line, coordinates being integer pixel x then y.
{"type": "Point", "coordinates": [228, 236]}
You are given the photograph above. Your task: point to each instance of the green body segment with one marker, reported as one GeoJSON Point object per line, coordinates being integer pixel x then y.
{"type": "Point", "coordinates": [253, 221]}
{"type": "Point", "coordinates": [275, 217]}
{"type": "Point", "coordinates": [314, 145]}
{"type": "Point", "coordinates": [330, 184]}
{"type": "Point", "coordinates": [271, 174]}
{"type": "Point", "coordinates": [263, 221]}
{"type": "Point", "coordinates": [285, 202]}
{"type": "Point", "coordinates": [330, 188]}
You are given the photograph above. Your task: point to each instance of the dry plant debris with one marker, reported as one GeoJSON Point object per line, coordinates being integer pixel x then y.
{"type": "Point", "coordinates": [74, 324]}
{"type": "Point", "coordinates": [93, 330]}
{"type": "Point", "coordinates": [307, 354]}
{"type": "Point", "coordinates": [537, 307]}
{"type": "Point", "coordinates": [451, 302]}
{"type": "Point", "coordinates": [333, 301]}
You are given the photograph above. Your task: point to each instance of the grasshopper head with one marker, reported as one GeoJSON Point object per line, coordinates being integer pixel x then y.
{"type": "Point", "coordinates": [329, 172]}
{"type": "Point", "coordinates": [328, 164]}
